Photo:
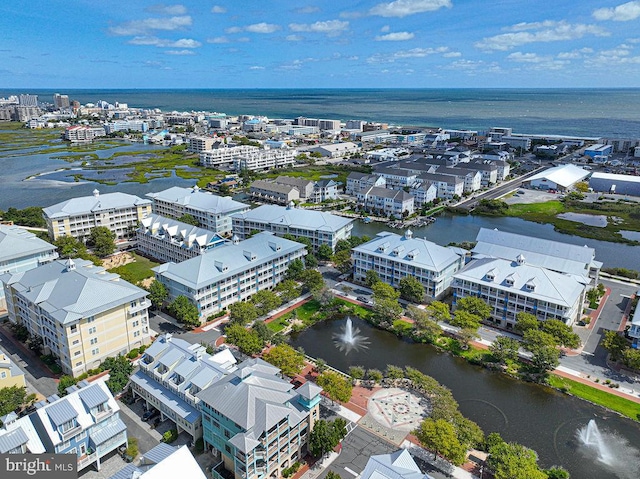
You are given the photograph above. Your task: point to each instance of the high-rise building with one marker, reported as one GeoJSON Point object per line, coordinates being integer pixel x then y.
{"type": "Point", "coordinates": [61, 101]}
{"type": "Point", "coordinates": [28, 100]}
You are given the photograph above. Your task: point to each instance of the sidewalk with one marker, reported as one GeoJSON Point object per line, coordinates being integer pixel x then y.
{"type": "Point", "coordinates": [320, 466]}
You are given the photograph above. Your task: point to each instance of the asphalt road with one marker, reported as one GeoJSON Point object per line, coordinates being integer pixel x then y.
{"type": "Point", "coordinates": [162, 323]}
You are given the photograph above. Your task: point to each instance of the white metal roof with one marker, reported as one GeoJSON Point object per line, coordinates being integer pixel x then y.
{"type": "Point", "coordinates": [295, 218]}
{"type": "Point", "coordinates": [563, 175]}
{"type": "Point", "coordinates": [16, 243]}
{"type": "Point", "coordinates": [94, 204]}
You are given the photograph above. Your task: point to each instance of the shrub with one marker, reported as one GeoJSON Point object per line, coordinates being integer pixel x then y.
{"type": "Point", "coordinates": [82, 377]}
{"type": "Point", "coordinates": [170, 436]}
{"type": "Point", "coordinates": [133, 353]}
{"type": "Point", "coordinates": [132, 447]}
{"type": "Point", "coordinates": [142, 348]}
{"type": "Point", "coordinates": [199, 446]}
{"type": "Point", "coordinates": [290, 471]}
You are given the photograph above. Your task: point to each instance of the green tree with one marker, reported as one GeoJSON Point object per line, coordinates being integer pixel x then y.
{"type": "Point", "coordinates": [615, 343]}
{"type": "Point", "coordinates": [465, 320]}
{"type": "Point", "coordinates": [120, 369]}
{"type": "Point", "coordinates": [287, 359]}
{"type": "Point", "coordinates": [356, 372]}
{"type": "Point", "coordinates": [491, 440]}
{"type": "Point", "coordinates": [336, 386]}
{"type": "Point", "coordinates": [295, 269]}
{"type": "Point", "coordinates": [505, 348]}
{"type": "Point", "coordinates": [535, 338]}
{"type": "Point", "coordinates": [324, 252]}
{"type": "Point", "coordinates": [320, 365]}
{"type": "Point", "coordinates": [242, 312]}
{"type": "Point", "coordinates": [474, 305]}
{"type": "Point", "coordinates": [102, 241]}
{"type": "Point", "coordinates": [394, 372]}
{"type": "Point", "coordinates": [440, 437]}
{"type": "Point", "coordinates": [12, 398]}
{"type": "Point", "coordinates": [312, 281]}
{"type": "Point", "coordinates": [189, 219]}
{"type": "Point", "coordinates": [326, 435]}
{"type": "Point", "coordinates": [631, 358]}
{"type": "Point", "coordinates": [30, 216]}
{"type": "Point", "coordinates": [374, 375]}
{"type": "Point", "coordinates": [310, 261]}
{"type": "Point", "coordinates": [288, 290]}
{"type": "Point", "coordinates": [582, 186]}
{"type": "Point", "coordinates": [411, 289]}
{"type": "Point", "coordinates": [385, 303]}
{"type": "Point", "coordinates": [563, 333]}
{"type": "Point", "coordinates": [371, 278]}
{"type": "Point", "coordinates": [69, 247]}
{"type": "Point", "coordinates": [342, 261]}
{"type": "Point", "coordinates": [184, 311]}
{"type": "Point", "coordinates": [64, 382]}
{"type": "Point", "coordinates": [342, 245]}
{"type": "Point", "coordinates": [157, 294]}
{"type": "Point", "coordinates": [557, 472]}
{"type": "Point", "coordinates": [514, 461]}
{"type": "Point", "coordinates": [246, 340]}
{"type": "Point", "coordinates": [426, 328]}
{"type": "Point", "coordinates": [263, 331]}
{"type": "Point", "coordinates": [332, 475]}
{"type": "Point", "coordinates": [438, 311]}
{"type": "Point", "coordinates": [324, 296]}
{"type": "Point", "coordinates": [468, 432]}
{"type": "Point", "coordinates": [525, 322]}
{"type": "Point", "coordinates": [466, 335]}
{"type": "Point", "coordinates": [265, 301]}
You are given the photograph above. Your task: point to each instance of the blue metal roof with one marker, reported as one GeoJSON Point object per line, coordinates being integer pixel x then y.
{"type": "Point", "coordinates": [13, 439]}
{"type": "Point", "coordinates": [93, 396]}
{"type": "Point", "coordinates": [159, 453]}
{"type": "Point", "coordinates": [172, 401]}
{"type": "Point", "coordinates": [170, 357]}
{"type": "Point", "coordinates": [61, 412]}
{"type": "Point", "coordinates": [127, 472]}
{"type": "Point", "coordinates": [108, 432]}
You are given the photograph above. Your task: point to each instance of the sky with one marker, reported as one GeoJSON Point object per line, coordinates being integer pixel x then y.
{"type": "Point", "coordinates": [319, 44]}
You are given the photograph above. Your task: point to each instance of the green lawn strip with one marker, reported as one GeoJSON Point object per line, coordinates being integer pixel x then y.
{"type": "Point", "coordinates": [280, 323]}
{"type": "Point", "coordinates": [137, 271]}
{"type": "Point", "coordinates": [307, 310]}
{"type": "Point", "coordinates": [603, 398]}
{"type": "Point", "coordinates": [360, 311]}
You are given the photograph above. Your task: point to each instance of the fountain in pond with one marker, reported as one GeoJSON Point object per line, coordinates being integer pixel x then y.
{"type": "Point", "coordinates": [610, 450]}
{"type": "Point", "coordinates": [350, 338]}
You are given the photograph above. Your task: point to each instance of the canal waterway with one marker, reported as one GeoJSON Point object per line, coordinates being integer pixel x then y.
{"type": "Point", "coordinates": [538, 417]}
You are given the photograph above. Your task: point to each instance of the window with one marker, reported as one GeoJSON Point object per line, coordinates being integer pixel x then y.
{"type": "Point", "coordinates": [67, 426]}
{"type": "Point", "coordinates": [135, 324]}
{"type": "Point", "coordinates": [3, 375]}
{"type": "Point", "coordinates": [95, 351]}
{"type": "Point", "coordinates": [76, 341]}
{"type": "Point", "coordinates": [79, 364]}
{"type": "Point", "coordinates": [77, 353]}
{"type": "Point", "coordinates": [94, 341]}
{"type": "Point", "coordinates": [91, 319]}
{"type": "Point", "coordinates": [92, 330]}
{"type": "Point", "coordinates": [136, 334]}
{"type": "Point", "coordinates": [73, 329]}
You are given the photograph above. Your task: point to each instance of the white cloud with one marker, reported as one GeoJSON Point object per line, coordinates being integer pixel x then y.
{"type": "Point", "coordinates": [294, 38]}
{"type": "Point", "coordinates": [218, 9]}
{"type": "Point", "coordinates": [385, 29]}
{"type": "Point", "coordinates": [621, 13]}
{"type": "Point", "coordinates": [395, 37]}
{"type": "Point", "coordinates": [452, 55]}
{"type": "Point", "coordinates": [404, 54]}
{"type": "Point", "coordinates": [233, 30]}
{"type": "Point", "coordinates": [180, 52]}
{"type": "Point", "coordinates": [142, 27]}
{"type": "Point", "coordinates": [262, 28]}
{"type": "Point", "coordinates": [307, 9]}
{"type": "Point", "coordinates": [218, 40]}
{"type": "Point", "coordinates": [167, 9]}
{"type": "Point", "coordinates": [403, 8]}
{"type": "Point", "coordinates": [330, 27]}
{"type": "Point", "coordinates": [256, 67]}
{"type": "Point", "coordinates": [574, 54]}
{"type": "Point", "coordinates": [160, 42]}
{"type": "Point", "coordinates": [538, 62]}
{"type": "Point", "coordinates": [548, 31]}
{"type": "Point", "coordinates": [525, 57]}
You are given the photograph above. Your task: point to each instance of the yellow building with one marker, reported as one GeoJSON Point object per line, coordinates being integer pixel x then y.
{"type": "Point", "coordinates": [83, 313]}
{"type": "Point", "coordinates": [10, 374]}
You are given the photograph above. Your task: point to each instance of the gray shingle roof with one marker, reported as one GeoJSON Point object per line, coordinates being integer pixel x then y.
{"type": "Point", "coordinates": [93, 204]}
{"type": "Point", "coordinates": [19, 243]}
{"type": "Point", "coordinates": [93, 396]}
{"type": "Point", "coordinates": [61, 412]}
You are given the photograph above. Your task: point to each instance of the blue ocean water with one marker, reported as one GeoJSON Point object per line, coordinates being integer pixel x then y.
{"type": "Point", "coordinates": [578, 112]}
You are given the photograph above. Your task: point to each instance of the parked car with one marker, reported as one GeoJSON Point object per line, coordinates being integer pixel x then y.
{"type": "Point", "coordinates": [362, 299]}
{"type": "Point", "coordinates": [150, 414]}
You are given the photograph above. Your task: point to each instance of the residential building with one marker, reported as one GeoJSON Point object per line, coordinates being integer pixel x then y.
{"type": "Point", "coordinates": [126, 125]}
{"type": "Point", "coordinates": [256, 422]}
{"type": "Point", "coordinates": [472, 178]}
{"type": "Point", "coordinates": [166, 239]}
{"type": "Point", "coordinates": [614, 183]}
{"type": "Point", "coordinates": [80, 133]}
{"type": "Point", "coordinates": [560, 257]}
{"type": "Point", "coordinates": [448, 185]}
{"type": "Point", "coordinates": [18, 436]}
{"type": "Point", "coordinates": [488, 170]}
{"type": "Point", "coordinates": [230, 273]}
{"type": "Point", "coordinates": [86, 422]}
{"type": "Point", "coordinates": [623, 145]}
{"type": "Point", "coordinates": [211, 211]}
{"type": "Point", "coordinates": [512, 287]}
{"type": "Point", "coordinates": [634, 325]}
{"type": "Point", "coordinates": [223, 154]}
{"type": "Point", "coordinates": [520, 142]}
{"type": "Point", "coordinates": [271, 192]}
{"type": "Point", "coordinates": [598, 150]}
{"type": "Point", "coordinates": [265, 159]}
{"type": "Point", "coordinates": [83, 313]}
{"type": "Point", "coordinates": [10, 374]}
{"type": "Point", "coordinates": [396, 178]}
{"type": "Point", "coordinates": [337, 150]}
{"type": "Point", "coordinates": [424, 192]}
{"type": "Point", "coordinates": [161, 462]}
{"type": "Point", "coordinates": [393, 257]}
{"type": "Point", "coordinates": [560, 178]}
{"type": "Point", "coordinates": [324, 190]}
{"type": "Point", "coordinates": [120, 212]}
{"type": "Point", "coordinates": [397, 465]}
{"type": "Point", "coordinates": [305, 187]}
{"type": "Point", "coordinates": [61, 101]}
{"type": "Point", "coordinates": [319, 227]}
{"type": "Point", "coordinates": [359, 181]}
{"type": "Point", "coordinates": [28, 100]}
{"type": "Point", "coordinates": [21, 250]}
{"type": "Point", "coordinates": [386, 202]}
{"type": "Point", "coordinates": [172, 372]}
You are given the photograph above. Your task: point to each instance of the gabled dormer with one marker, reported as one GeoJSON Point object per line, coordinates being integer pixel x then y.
{"type": "Point", "coordinates": [96, 401]}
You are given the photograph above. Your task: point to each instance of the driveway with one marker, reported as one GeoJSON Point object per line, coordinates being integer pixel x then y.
{"type": "Point", "coordinates": [162, 323]}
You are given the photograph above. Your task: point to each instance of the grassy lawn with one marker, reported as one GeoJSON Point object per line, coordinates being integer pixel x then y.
{"type": "Point", "coordinates": [280, 323]}
{"type": "Point", "coordinates": [307, 310]}
{"type": "Point", "coordinates": [360, 311]}
{"type": "Point", "coordinates": [603, 398]}
{"type": "Point", "coordinates": [137, 271]}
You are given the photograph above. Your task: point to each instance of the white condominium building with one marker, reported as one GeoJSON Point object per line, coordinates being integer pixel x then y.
{"type": "Point", "coordinates": [511, 287]}
{"type": "Point", "coordinates": [120, 212]}
{"type": "Point", "coordinates": [211, 211]}
{"type": "Point", "coordinates": [166, 239]}
{"type": "Point", "coordinates": [83, 313]}
{"type": "Point", "coordinates": [319, 227]}
{"type": "Point", "coordinates": [386, 202]}
{"type": "Point", "coordinates": [265, 159]}
{"type": "Point", "coordinates": [393, 257]}
{"type": "Point", "coordinates": [224, 155]}
{"type": "Point", "coordinates": [230, 273]}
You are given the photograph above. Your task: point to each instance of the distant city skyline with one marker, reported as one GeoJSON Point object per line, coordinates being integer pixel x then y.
{"type": "Point", "coordinates": [320, 44]}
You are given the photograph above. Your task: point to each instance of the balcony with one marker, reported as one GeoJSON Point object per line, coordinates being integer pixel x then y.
{"type": "Point", "coordinates": [144, 304]}
{"type": "Point", "coordinates": [84, 461]}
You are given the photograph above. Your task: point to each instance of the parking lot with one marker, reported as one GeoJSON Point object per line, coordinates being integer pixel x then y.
{"type": "Point", "coordinates": [524, 195]}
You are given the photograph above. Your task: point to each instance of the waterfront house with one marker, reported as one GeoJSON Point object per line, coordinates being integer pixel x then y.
{"type": "Point", "coordinates": [386, 202]}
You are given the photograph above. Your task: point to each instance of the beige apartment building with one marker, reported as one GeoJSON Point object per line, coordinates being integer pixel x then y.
{"type": "Point", "coordinates": [120, 212]}
{"type": "Point", "coordinates": [83, 313]}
